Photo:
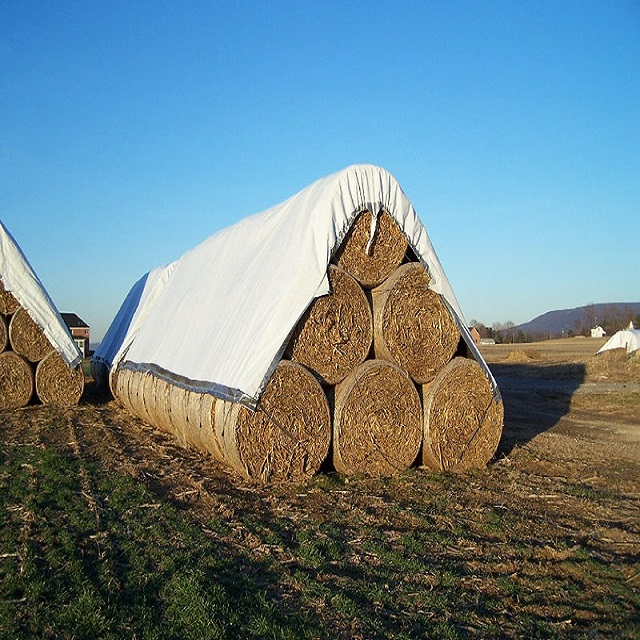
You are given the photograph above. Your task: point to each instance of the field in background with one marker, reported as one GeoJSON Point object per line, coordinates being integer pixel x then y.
{"type": "Point", "coordinates": [108, 529]}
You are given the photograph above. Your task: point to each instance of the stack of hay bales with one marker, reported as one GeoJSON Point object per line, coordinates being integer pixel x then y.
{"type": "Point", "coordinates": [31, 365]}
{"type": "Point", "coordinates": [373, 377]}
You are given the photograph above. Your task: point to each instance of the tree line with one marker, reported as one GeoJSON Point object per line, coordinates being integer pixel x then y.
{"type": "Point", "coordinates": [611, 318]}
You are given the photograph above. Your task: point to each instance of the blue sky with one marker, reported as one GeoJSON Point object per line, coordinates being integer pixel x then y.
{"type": "Point", "coordinates": [130, 132]}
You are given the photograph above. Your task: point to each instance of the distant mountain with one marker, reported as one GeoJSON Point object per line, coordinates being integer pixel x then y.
{"type": "Point", "coordinates": [564, 321]}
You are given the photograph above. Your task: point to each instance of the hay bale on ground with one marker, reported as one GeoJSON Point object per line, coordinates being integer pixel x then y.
{"type": "Point", "coordinates": [4, 333]}
{"type": "Point", "coordinates": [462, 418]}
{"type": "Point", "coordinates": [335, 333]}
{"type": "Point", "coordinates": [56, 383]}
{"type": "Point", "coordinates": [287, 436]}
{"type": "Point", "coordinates": [411, 324]}
{"type": "Point", "coordinates": [377, 428]}
{"type": "Point", "coordinates": [8, 302]}
{"type": "Point", "coordinates": [16, 381]}
{"type": "Point", "coordinates": [371, 264]}
{"type": "Point", "coordinates": [27, 338]}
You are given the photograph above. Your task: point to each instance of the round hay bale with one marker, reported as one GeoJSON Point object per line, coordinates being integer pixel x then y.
{"type": "Point", "coordinates": [411, 324]}
{"type": "Point", "coordinates": [377, 426]}
{"type": "Point", "coordinates": [335, 333]}
{"type": "Point", "coordinates": [27, 338]}
{"type": "Point", "coordinates": [56, 383]}
{"type": "Point", "coordinates": [4, 333]}
{"type": "Point", "coordinates": [16, 381]}
{"type": "Point", "coordinates": [462, 418]}
{"type": "Point", "coordinates": [8, 302]}
{"type": "Point", "coordinates": [385, 253]}
{"type": "Point", "coordinates": [287, 436]}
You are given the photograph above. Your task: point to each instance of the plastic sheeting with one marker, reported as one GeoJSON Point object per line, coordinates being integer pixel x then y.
{"type": "Point", "coordinates": [628, 339]}
{"type": "Point", "coordinates": [20, 279]}
{"type": "Point", "coordinates": [218, 319]}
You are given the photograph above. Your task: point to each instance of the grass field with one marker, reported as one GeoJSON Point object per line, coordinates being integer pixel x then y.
{"type": "Point", "coordinates": [108, 529]}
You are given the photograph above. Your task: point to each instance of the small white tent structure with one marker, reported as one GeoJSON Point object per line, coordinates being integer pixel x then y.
{"type": "Point", "coordinates": [628, 339]}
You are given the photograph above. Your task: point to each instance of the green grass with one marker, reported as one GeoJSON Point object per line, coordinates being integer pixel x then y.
{"type": "Point", "coordinates": [89, 552]}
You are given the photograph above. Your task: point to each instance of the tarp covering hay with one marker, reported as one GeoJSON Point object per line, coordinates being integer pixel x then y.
{"type": "Point", "coordinates": [462, 418]}
{"type": "Point", "coordinates": [256, 345]}
{"type": "Point", "coordinates": [412, 325]}
{"type": "Point", "coordinates": [372, 249]}
{"type": "Point", "coordinates": [334, 335]}
{"type": "Point", "coordinates": [16, 381]}
{"type": "Point", "coordinates": [377, 428]}
{"type": "Point", "coordinates": [34, 329]}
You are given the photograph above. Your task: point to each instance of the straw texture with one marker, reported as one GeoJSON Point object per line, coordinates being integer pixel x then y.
{"type": "Point", "coordinates": [4, 333]}
{"type": "Point", "coordinates": [385, 253]}
{"type": "Point", "coordinates": [335, 334]}
{"type": "Point", "coordinates": [56, 383]}
{"type": "Point", "coordinates": [16, 381]}
{"type": "Point", "coordinates": [462, 419]}
{"type": "Point", "coordinates": [411, 325]}
{"type": "Point", "coordinates": [287, 437]}
{"type": "Point", "coordinates": [8, 303]}
{"type": "Point", "coordinates": [27, 338]}
{"type": "Point", "coordinates": [377, 428]}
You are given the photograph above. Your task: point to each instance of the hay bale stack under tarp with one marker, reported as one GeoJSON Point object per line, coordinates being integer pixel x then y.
{"type": "Point", "coordinates": [56, 383]}
{"type": "Point", "coordinates": [372, 249]}
{"type": "Point", "coordinates": [286, 437]}
{"type": "Point", "coordinates": [334, 335]}
{"type": "Point", "coordinates": [27, 338]}
{"type": "Point", "coordinates": [377, 429]}
{"type": "Point", "coordinates": [34, 329]}
{"type": "Point", "coordinates": [411, 324]}
{"type": "Point", "coordinates": [16, 381]}
{"type": "Point", "coordinates": [218, 321]}
{"type": "Point", "coordinates": [462, 418]}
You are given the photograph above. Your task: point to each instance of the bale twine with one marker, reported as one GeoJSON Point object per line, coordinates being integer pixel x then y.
{"type": "Point", "coordinates": [335, 333]}
{"type": "Point", "coordinates": [462, 418]}
{"type": "Point", "coordinates": [287, 436]}
{"type": "Point", "coordinates": [8, 302]}
{"type": "Point", "coordinates": [16, 381]}
{"type": "Point", "coordinates": [27, 338]}
{"type": "Point", "coordinates": [4, 333]}
{"type": "Point", "coordinates": [56, 383]}
{"type": "Point", "coordinates": [384, 254]}
{"type": "Point", "coordinates": [377, 428]}
{"type": "Point", "coordinates": [411, 325]}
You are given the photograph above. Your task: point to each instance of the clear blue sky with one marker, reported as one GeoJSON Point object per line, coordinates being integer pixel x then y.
{"type": "Point", "coordinates": [131, 131]}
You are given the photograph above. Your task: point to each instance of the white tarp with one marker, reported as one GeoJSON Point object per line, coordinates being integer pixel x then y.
{"type": "Point", "coordinates": [218, 319]}
{"type": "Point", "coordinates": [20, 279]}
{"type": "Point", "coordinates": [628, 339]}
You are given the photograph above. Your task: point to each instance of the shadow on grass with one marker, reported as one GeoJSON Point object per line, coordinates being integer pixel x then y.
{"type": "Point", "coordinates": [535, 398]}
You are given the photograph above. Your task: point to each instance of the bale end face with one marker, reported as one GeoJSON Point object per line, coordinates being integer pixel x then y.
{"type": "Point", "coordinates": [463, 420]}
{"type": "Point", "coordinates": [377, 428]}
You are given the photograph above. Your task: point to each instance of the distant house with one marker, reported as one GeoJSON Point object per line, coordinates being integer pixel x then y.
{"type": "Point", "coordinates": [598, 332]}
{"type": "Point", "coordinates": [475, 334]}
{"type": "Point", "coordinates": [487, 341]}
{"type": "Point", "coordinates": [79, 330]}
